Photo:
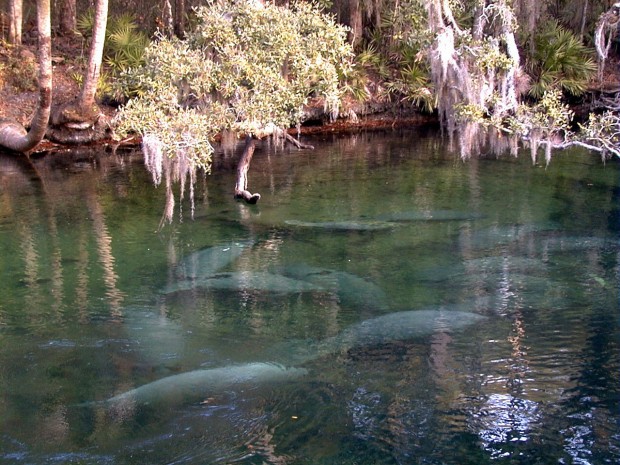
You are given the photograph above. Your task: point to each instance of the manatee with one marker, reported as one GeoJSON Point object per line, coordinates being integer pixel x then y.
{"type": "Point", "coordinates": [343, 225]}
{"type": "Point", "coordinates": [246, 281]}
{"type": "Point", "coordinates": [351, 290]}
{"type": "Point", "coordinates": [210, 260]}
{"type": "Point", "coordinates": [400, 326]}
{"type": "Point", "coordinates": [431, 215]}
{"type": "Point", "coordinates": [193, 386]}
{"type": "Point", "coordinates": [391, 327]}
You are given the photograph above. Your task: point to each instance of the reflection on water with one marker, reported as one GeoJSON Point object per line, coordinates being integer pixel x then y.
{"type": "Point", "coordinates": [385, 302]}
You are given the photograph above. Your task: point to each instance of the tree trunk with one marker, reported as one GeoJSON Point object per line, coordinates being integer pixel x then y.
{"type": "Point", "coordinates": [167, 19]}
{"type": "Point", "coordinates": [355, 22]}
{"type": "Point", "coordinates": [12, 134]}
{"type": "Point", "coordinates": [81, 121]}
{"type": "Point", "coordinates": [87, 96]}
{"type": "Point", "coordinates": [15, 22]}
{"type": "Point", "coordinates": [241, 187]}
{"type": "Point", "coordinates": [179, 19]}
{"type": "Point", "coordinates": [584, 16]}
{"type": "Point", "coordinates": [479, 22]}
{"type": "Point", "coordinates": [67, 20]}
{"type": "Point", "coordinates": [241, 191]}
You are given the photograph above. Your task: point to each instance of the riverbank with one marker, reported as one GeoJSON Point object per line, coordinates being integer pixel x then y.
{"type": "Point", "coordinates": [19, 95]}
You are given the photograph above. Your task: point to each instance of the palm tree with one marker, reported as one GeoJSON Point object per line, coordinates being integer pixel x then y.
{"type": "Point", "coordinates": [15, 24]}
{"type": "Point", "coordinates": [83, 112]}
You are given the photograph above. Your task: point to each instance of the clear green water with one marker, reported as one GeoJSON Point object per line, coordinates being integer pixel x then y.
{"type": "Point", "coordinates": [364, 228]}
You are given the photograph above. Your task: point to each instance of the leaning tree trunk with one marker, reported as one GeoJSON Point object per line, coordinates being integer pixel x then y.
{"type": "Point", "coordinates": [12, 134]}
{"type": "Point", "coordinates": [91, 79]}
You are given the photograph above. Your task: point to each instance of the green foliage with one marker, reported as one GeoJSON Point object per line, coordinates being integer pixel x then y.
{"type": "Point", "coordinates": [371, 58]}
{"type": "Point", "coordinates": [546, 117]}
{"type": "Point", "coordinates": [124, 41]}
{"type": "Point", "coordinates": [394, 53]}
{"type": "Point", "coordinates": [104, 84]}
{"type": "Point", "coordinates": [550, 114]}
{"type": "Point", "coordinates": [413, 84]}
{"type": "Point", "coordinates": [245, 67]}
{"type": "Point", "coordinates": [472, 113]}
{"type": "Point", "coordinates": [86, 22]}
{"type": "Point", "coordinates": [560, 61]}
{"type": "Point", "coordinates": [603, 131]}
{"type": "Point", "coordinates": [355, 83]}
{"type": "Point", "coordinates": [490, 56]}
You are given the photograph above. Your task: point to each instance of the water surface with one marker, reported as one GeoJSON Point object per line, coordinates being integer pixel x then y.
{"type": "Point", "coordinates": [513, 269]}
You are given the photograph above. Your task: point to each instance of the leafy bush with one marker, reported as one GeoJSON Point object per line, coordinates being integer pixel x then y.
{"type": "Point", "coordinates": [244, 68]}
{"type": "Point", "coordinates": [393, 53]}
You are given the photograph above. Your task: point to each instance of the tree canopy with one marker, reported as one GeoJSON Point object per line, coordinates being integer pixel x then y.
{"type": "Point", "coordinates": [245, 67]}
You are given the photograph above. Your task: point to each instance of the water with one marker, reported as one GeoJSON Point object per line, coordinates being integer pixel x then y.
{"type": "Point", "coordinates": [513, 358]}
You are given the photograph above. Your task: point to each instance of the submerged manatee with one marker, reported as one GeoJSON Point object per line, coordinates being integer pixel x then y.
{"type": "Point", "coordinates": [397, 326]}
{"type": "Point", "coordinates": [211, 260]}
{"type": "Point", "coordinates": [343, 225]}
{"type": "Point", "coordinates": [431, 215]}
{"type": "Point", "coordinates": [351, 290]}
{"type": "Point", "coordinates": [400, 326]}
{"type": "Point", "coordinates": [246, 281]}
{"type": "Point", "coordinates": [196, 385]}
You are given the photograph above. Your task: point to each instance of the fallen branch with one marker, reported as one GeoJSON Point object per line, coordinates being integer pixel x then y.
{"type": "Point", "coordinates": [241, 188]}
{"type": "Point", "coordinates": [292, 140]}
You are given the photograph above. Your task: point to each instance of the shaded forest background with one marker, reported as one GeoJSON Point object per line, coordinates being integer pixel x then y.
{"type": "Point", "coordinates": [382, 32]}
